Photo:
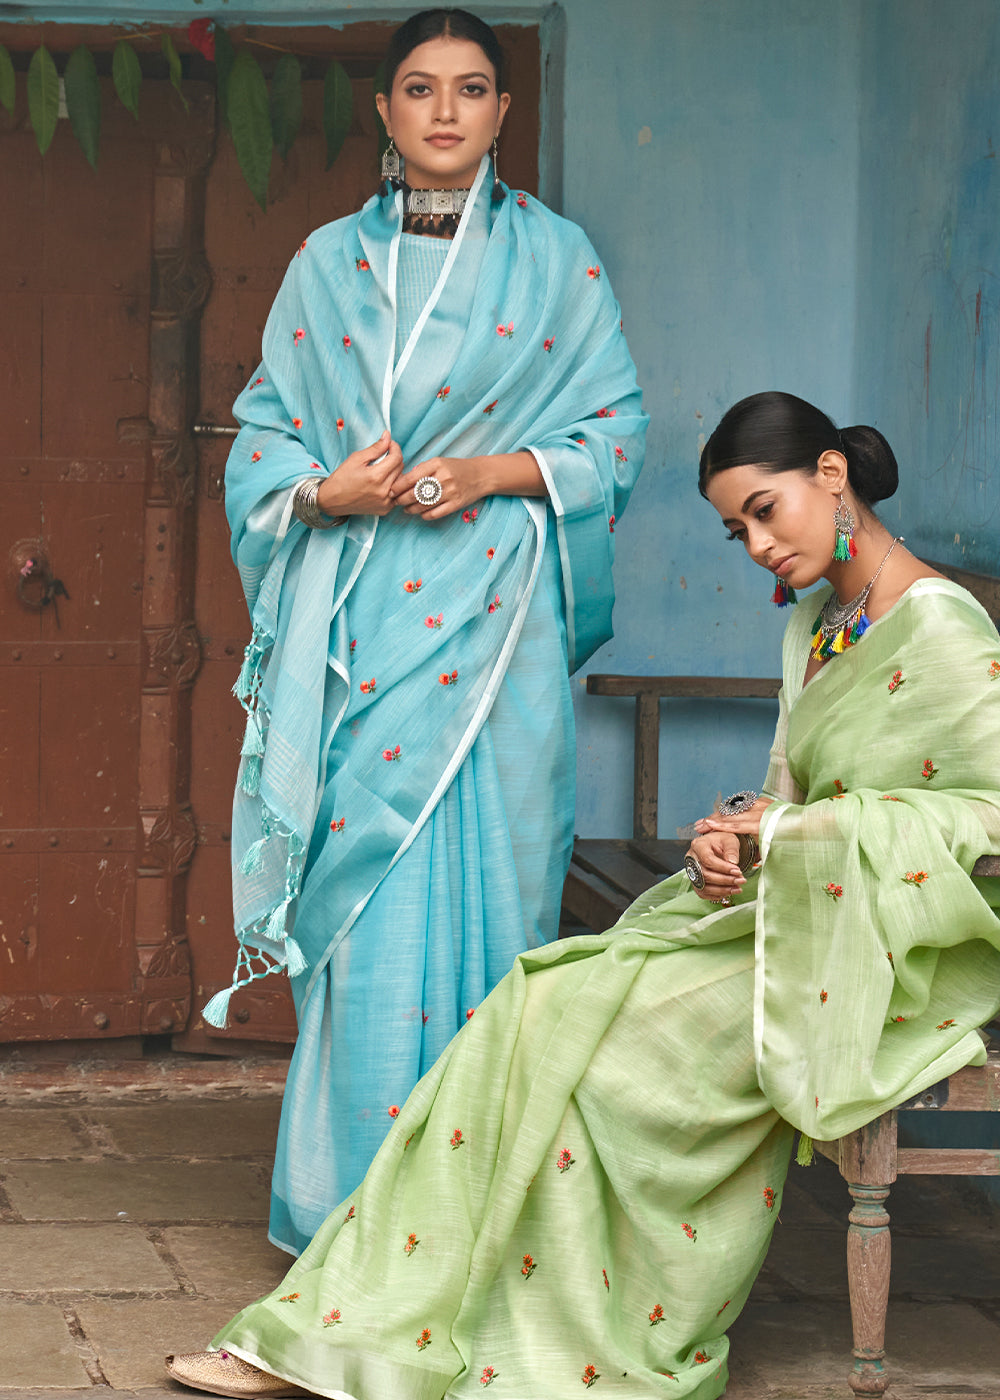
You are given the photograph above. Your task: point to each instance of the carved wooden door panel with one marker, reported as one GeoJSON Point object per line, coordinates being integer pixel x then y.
{"type": "Point", "coordinates": [248, 253]}
{"type": "Point", "coordinates": [100, 285]}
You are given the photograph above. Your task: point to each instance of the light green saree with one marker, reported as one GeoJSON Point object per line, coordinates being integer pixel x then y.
{"type": "Point", "coordinates": [581, 1191]}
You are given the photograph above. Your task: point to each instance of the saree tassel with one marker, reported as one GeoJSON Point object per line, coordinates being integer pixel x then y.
{"type": "Point", "coordinates": [252, 859]}
{"type": "Point", "coordinates": [276, 924]}
{"type": "Point", "coordinates": [295, 960]}
{"type": "Point", "coordinates": [250, 776]}
{"type": "Point", "coordinates": [216, 1012]}
{"type": "Point", "coordinates": [804, 1151]}
{"type": "Point", "coordinates": [253, 740]}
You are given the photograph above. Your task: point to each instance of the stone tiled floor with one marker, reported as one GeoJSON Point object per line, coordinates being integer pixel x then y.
{"type": "Point", "coordinates": [132, 1223]}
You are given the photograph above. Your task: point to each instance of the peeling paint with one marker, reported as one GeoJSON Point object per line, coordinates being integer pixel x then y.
{"type": "Point", "coordinates": [645, 135]}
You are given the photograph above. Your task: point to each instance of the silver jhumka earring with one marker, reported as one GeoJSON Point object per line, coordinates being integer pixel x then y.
{"type": "Point", "coordinates": [392, 173]}
{"type": "Point", "coordinates": [499, 193]}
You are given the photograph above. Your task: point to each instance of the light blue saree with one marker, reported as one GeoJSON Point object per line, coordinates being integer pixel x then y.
{"type": "Point", "coordinates": [403, 817]}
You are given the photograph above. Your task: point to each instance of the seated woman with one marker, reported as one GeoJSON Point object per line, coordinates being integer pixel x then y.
{"type": "Point", "coordinates": [581, 1191]}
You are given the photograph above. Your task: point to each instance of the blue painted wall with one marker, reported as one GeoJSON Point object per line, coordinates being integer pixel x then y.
{"type": "Point", "coordinates": [784, 193]}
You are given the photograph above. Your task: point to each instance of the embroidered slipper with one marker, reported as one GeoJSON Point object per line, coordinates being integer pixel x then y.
{"type": "Point", "coordinates": [222, 1373]}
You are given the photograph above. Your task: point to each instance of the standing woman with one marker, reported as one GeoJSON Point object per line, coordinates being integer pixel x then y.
{"type": "Point", "coordinates": [422, 497]}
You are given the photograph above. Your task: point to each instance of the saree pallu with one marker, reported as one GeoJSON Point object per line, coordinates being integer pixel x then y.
{"type": "Point", "coordinates": [403, 816]}
{"type": "Point", "coordinates": [581, 1191]}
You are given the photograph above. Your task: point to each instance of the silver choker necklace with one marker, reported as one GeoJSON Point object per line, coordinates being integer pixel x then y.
{"type": "Point", "coordinates": [436, 201]}
{"type": "Point", "coordinates": [834, 614]}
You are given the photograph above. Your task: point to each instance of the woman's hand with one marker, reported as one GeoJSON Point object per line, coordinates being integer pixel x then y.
{"type": "Point", "coordinates": [718, 856]}
{"type": "Point", "coordinates": [465, 480]}
{"type": "Point", "coordinates": [363, 483]}
{"type": "Point", "coordinates": [748, 821]}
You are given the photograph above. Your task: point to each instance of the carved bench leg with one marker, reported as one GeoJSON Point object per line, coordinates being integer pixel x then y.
{"type": "Point", "coordinates": [869, 1250]}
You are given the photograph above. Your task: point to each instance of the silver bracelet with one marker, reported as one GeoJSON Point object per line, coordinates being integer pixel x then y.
{"type": "Point", "coordinates": [305, 506]}
{"type": "Point", "coordinates": [739, 802]}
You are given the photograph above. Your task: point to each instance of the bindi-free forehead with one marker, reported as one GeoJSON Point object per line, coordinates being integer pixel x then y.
{"type": "Point", "coordinates": [736, 491]}
{"type": "Point", "coordinates": [446, 60]}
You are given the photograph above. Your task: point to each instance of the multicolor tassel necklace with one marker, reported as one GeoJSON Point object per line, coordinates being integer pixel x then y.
{"type": "Point", "coordinates": [840, 625]}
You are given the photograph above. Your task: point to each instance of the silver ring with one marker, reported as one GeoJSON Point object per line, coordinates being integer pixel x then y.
{"type": "Point", "coordinates": [724, 900]}
{"type": "Point", "coordinates": [694, 872]}
{"type": "Point", "coordinates": [428, 491]}
{"type": "Point", "coordinates": [739, 802]}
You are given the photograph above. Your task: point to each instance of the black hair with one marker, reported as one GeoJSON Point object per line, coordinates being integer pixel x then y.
{"type": "Point", "coordinates": [436, 24]}
{"type": "Point", "coordinates": [781, 433]}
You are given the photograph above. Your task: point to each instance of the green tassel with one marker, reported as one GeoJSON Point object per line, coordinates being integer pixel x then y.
{"type": "Point", "coordinates": [216, 1011]}
{"type": "Point", "coordinates": [294, 960]}
{"type": "Point", "coordinates": [842, 550]}
{"type": "Point", "coordinates": [250, 778]}
{"type": "Point", "coordinates": [804, 1153]}
{"type": "Point", "coordinates": [252, 859]}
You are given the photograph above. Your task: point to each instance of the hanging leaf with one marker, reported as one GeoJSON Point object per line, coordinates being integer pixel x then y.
{"type": "Point", "coordinates": [378, 85]}
{"type": "Point", "coordinates": [83, 101]}
{"type": "Point", "coordinates": [174, 65]}
{"type": "Point", "coordinates": [225, 55]}
{"type": "Point", "coordinates": [6, 80]}
{"type": "Point", "coordinates": [43, 97]}
{"type": "Point", "coordinates": [286, 102]}
{"type": "Point", "coordinates": [338, 109]}
{"type": "Point", "coordinates": [127, 76]}
{"type": "Point", "coordinates": [250, 121]}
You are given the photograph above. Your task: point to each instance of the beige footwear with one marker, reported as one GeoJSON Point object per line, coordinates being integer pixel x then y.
{"type": "Point", "coordinates": [222, 1373]}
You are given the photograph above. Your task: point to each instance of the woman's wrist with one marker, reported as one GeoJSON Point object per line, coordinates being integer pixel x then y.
{"type": "Point", "coordinates": [508, 474]}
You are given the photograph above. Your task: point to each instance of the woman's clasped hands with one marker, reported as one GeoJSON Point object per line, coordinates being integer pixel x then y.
{"type": "Point", "coordinates": [717, 850]}
{"type": "Point", "coordinates": [373, 481]}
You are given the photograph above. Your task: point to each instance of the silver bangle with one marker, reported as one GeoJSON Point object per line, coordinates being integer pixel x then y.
{"type": "Point", "coordinates": [749, 853]}
{"type": "Point", "coordinates": [739, 802]}
{"type": "Point", "coordinates": [305, 506]}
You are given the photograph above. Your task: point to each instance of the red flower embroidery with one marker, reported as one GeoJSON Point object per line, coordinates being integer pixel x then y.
{"type": "Point", "coordinates": [331, 1318]}
{"type": "Point", "coordinates": [822, 998]}
{"type": "Point", "coordinates": [298, 335]}
{"type": "Point", "coordinates": [425, 1016]}
{"type": "Point", "coordinates": [488, 1377]}
{"type": "Point", "coordinates": [528, 1266]}
{"type": "Point", "coordinates": [888, 797]}
{"type": "Point", "coordinates": [349, 1215]}
{"type": "Point", "coordinates": [945, 1024]}
{"type": "Point", "coordinates": [347, 342]}
{"type": "Point", "coordinates": [915, 877]}
{"type": "Point", "coordinates": [607, 1285]}
{"type": "Point", "coordinates": [889, 956]}
{"type": "Point", "coordinates": [290, 1298]}
{"type": "Point", "coordinates": [255, 457]}
{"type": "Point", "coordinates": [506, 331]}
{"type": "Point", "coordinates": [522, 199]}
{"type": "Point", "coordinates": [445, 679]}
{"type": "Point", "coordinates": [656, 1315]}
{"type": "Point", "coordinates": [565, 1160]}
{"type": "Point", "coordinates": [928, 771]}
{"type": "Point", "coordinates": [690, 1231]}
{"type": "Point", "coordinates": [424, 1340]}
{"type": "Point", "coordinates": [611, 525]}
{"type": "Point", "coordinates": [391, 755]}
{"type": "Point", "coordinates": [354, 643]}
{"type": "Point", "coordinates": [394, 1110]}
{"type": "Point", "coordinates": [201, 36]}
{"type": "Point", "coordinates": [590, 1375]}
{"type": "Point", "coordinates": [594, 273]}
{"type": "Point", "coordinates": [434, 621]}
{"type": "Point", "coordinates": [296, 422]}
{"type": "Point", "coordinates": [340, 425]}
{"type": "Point", "coordinates": [337, 826]}
{"type": "Point", "coordinates": [581, 441]}
{"type": "Point", "coordinates": [316, 466]}
{"type": "Point", "coordinates": [496, 605]}
{"type": "Point", "coordinates": [897, 1019]}
{"type": "Point", "coordinates": [456, 1140]}
{"type": "Point", "coordinates": [490, 407]}
{"type": "Point", "coordinates": [257, 382]}
{"type": "Point", "coordinates": [368, 687]}
{"type": "Point", "coordinates": [606, 412]}
{"type": "Point", "coordinates": [490, 553]}
{"type": "Point", "coordinates": [769, 1202]}
{"type": "Point", "coordinates": [301, 248]}
{"type": "Point", "coordinates": [839, 786]}
{"type": "Point", "coordinates": [898, 679]}
{"type": "Point", "coordinates": [469, 516]}
{"type": "Point", "coordinates": [411, 1244]}
{"type": "Point", "coordinates": [413, 585]}
{"type": "Point", "coordinates": [443, 393]}
{"type": "Point", "coordinates": [834, 891]}
{"type": "Point", "coordinates": [994, 671]}
{"type": "Point", "coordinates": [620, 455]}
{"type": "Point", "coordinates": [700, 1358]}
{"type": "Point", "coordinates": [724, 1307]}
{"type": "Point", "coordinates": [470, 1013]}
{"type": "Point", "coordinates": [362, 265]}
{"type": "Point", "coordinates": [548, 344]}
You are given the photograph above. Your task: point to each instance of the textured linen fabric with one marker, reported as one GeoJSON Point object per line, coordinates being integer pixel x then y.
{"type": "Point", "coordinates": [579, 1194]}
{"type": "Point", "coordinates": [403, 816]}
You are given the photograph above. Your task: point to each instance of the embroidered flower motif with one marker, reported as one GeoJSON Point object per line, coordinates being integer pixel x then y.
{"type": "Point", "coordinates": [255, 457]}
{"type": "Point", "coordinates": [424, 1340]}
{"type": "Point", "coordinates": [443, 393]}
{"type": "Point", "coordinates": [488, 1377]}
{"type": "Point", "coordinates": [898, 679]}
{"type": "Point", "coordinates": [656, 1315]}
{"type": "Point", "coordinates": [490, 407]}
{"type": "Point", "coordinates": [522, 199]}
{"type": "Point", "coordinates": [620, 455]}
{"type": "Point", "coordinates": [411, 1244]}
{"type": "Point", "coordinates": [889, 956]}
{"type": "Point", "coordinates": [302, 248]}
{"type": "Point", "coordinates": [548, 344]}
{"type": "Point", "coordinates": [506, 331]}
{"type": "Point", "coordinates": [316, 466]}
{"type": "Point", "coordinates": [888, 797]}
{"type": "Point", "coordinates": [456, 1140]}
{"type": "Point", "coordinates": [496, 605]}
{"type": "Point", "coordinates": [928, 771]}
{"type": "Point", "coordinates": [469, 516]}
{"type": "Point", "coordinates": [834, 891]}
{"type": "Point", "coordinates": [290, 1298]}
{"type": "Point", "coordinates": [994, 671]}
{"type": "Point", "coordinates": [367, 687]}
{"type": "Point", "coordinates": [257, 383]}
{"type": "Point", "coordinates": [337, 826]}
{"type": "Point", "coordinates": [490, 553]}
{"type": "Point", "coordinates": [769, 1202]}
{"type": "Point", "coordinates": [581, 441]}
{"type": "Point", "coordinates": [528, 1266]}
{"type": "Point", "coordinates": [606, 412]}
{"type": "Point", "coordinates": [409, 1139]}
{"type": "Point", "coordinates": [945, 1024]}
{"type": "Point", "coordinates": [607, 1285]}
{"type": "Point", "coordinates": [340, 425]}
{"type": "Point", "coordinates": [354, 643]}
{"type": "Point", "coordinates": [565, 1160]}
{"type": "Point", "coordinates": [347, 342]}
{"type": "Point", "coordinates": [391, 755]}
{"type": "Point", "coordinates": [724, 1307]}
{"type": "Point", "coordinates": [690, 1231]}
{"type": "Point", "coordinates": [915, 877]}
{"type": "Point", "coordinates": [839, 786]}
{"type": "Point", "coordinates": [434, 621]}
{"type": "Point", "coordinates": [362, 265]}
{"type": "Point", "coordinates": [349, 1215]}
{"type": "Point", "coordinates": [331, 1318]}
{"type": "Point", "coordinates": [425, 1017]}
{"type": "Point", "coordinates": [413, 585]}
{"type": "Point", "coordinates": [897, 1019]}
{"type": "Point", "coordinates": [700, 1358]}
{"type": "Point", "coordinates": [296, 422]}
{"type": "Point", "coordinates": [470, 1013]}
{"type": "Point", "coordinates": [611, 525]}
{"type": "Point", "coordinates": [594, 273]}
{"type": "Point", "coordinates": [445, 679]}
{"type": "Point", "coordinates": [822, 998]}
{"type": "Point", "coordinates": [590, 1375]}
{"type": "Point", "coordinates": [298, 335]}
{"type": "Point", "coordinates": [393, 1107]}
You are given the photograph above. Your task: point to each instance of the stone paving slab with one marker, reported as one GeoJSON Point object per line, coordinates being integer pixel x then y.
{"type": "Point", "coordinates": [59, 1258]}
{"type": "Point", "coordinates": [111, 1190]}
{"type": "Point", "coordinates": [193, 1130]}
{"type": "Point", "coordinates": [29, 1133]}
{"type": "Point", "coordinates": [131, 1339]}
{"type": "Point", "coordinates": [220, 1260]}
{"type": "Point", "coordinates": [36, 1347]}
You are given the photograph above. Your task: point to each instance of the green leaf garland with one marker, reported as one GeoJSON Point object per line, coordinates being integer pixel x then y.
{"type": "Point", "coordinates": [6, 80]}
{"type": "Point", "coordinates": [338, 109]}
{"type": "Point", "coordinates": [286, 103]}
{"type": "Point", "coordinates": [83, 101]}
{"type": "Point", "coordinates": [43, 97]}
{"type": "Point", "coordinates": [250, 121]}
{"type": "Point", "coordinates": [127, 76]}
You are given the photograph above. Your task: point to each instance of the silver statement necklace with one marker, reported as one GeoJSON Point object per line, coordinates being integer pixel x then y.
{"type": "Point", "coordinates": [840, 625]}
{"type": "Point", "coordinates": [436, 201]}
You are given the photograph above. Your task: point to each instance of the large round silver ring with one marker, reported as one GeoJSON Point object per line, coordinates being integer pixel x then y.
{"type": "Point", "coordinates": [428, 491]}
{"type": "Point", "coordinates": [694, 872]}
{"type": "Point", "coordinates": [739, 802]}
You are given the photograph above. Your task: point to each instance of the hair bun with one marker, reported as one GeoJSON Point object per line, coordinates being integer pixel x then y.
{"type": "Point", "coordinates": [871, 463]}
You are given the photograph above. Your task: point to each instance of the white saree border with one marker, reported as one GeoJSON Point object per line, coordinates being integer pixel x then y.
{"type": "Point", "coordinates": [560, 513]}
{"type": "Point", "coordinates": [768, 822]}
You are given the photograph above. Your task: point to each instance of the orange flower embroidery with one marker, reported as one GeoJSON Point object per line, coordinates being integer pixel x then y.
{"type": "Point", "coordinates": [594, 273]}
{"type": "Point", "coordinates": [337, 826]}
{"type": "Point", "coordinates": [457, 1140]}
{"type": "Point", "coordinates": [690, 1231]}
{"type": "Point", "coordinates": [298, 335]}
{"type": "Point", "coordinates": [945, 1024]}
{"type": "Point", "coordinates": [413, 585]}
{"type": "Point", "coordinates": [528, 1266]}
{"type": "Point", "coordinates": [411, 1244]}
{"type": "Point", "coordinates": [362, 265]}
{"type": "Point", "coordinates": [822, 998]}
{"type": "Point", "coordinates": [443, 393]}
{"type": "Point", "coordinates": [490, 407]}
{"type": "Point", "coordinates": [565, 1160]}
{"type": "Point", "coordinates": [488, 1377]}
{"type": "Point", "coordinates": [898, 679]}
{"type": "Point", "coordinates": [656, 1315]}
{"type": "Point", "coordinates": [928, 771]}
{"type": "Point", "coordinates": [834, 891]}
{"type": "Point", "coordinates": [367, 687]}
{"type": "Point", "coordinates": [392, 755]}
{"type": "Point", "coordinates": [394, 1110]}
{"type": "Point", "coordinates": [445, 679]}
{"type": "Point", "coordinates": [331, 1318]}
{"type": "Point", "coordinates": [424, 1340]}
{"type": "Point", "coordinates": [434, 621]}
{"type": "Point", "coordinates": [915, 877]}
{"type": "Point", "coordinates": [590, 1375]}
{"type": "Point", "coordinates": [769, 1202]}
{"type": "Point", "coordinates": [255, 457]}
